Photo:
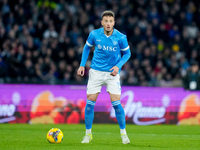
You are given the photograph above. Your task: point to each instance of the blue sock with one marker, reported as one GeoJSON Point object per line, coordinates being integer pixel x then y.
{"type": "Point", "coordinates": [119, 113]}
{"type": "Point", "coordinates": [89, 114]}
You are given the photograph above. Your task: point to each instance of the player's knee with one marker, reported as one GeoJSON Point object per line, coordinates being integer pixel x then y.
{"type": "Point", "coordinates": [114, 97]}
{"type": "Point", "coordinates": [92, 97]}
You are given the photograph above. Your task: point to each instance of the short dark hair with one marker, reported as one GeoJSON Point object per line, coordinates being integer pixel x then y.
{"type": "Point", "coordinates": [107, 13]}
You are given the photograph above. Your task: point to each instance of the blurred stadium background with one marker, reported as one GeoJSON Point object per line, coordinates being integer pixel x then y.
{"type": "Point", "coordinates": [41, 42]}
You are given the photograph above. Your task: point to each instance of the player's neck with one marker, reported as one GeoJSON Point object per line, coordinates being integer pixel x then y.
{"type": "Point", "coordinates": [108, 33]}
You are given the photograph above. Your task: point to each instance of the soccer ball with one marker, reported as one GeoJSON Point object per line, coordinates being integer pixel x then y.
{"type": "Point", "coordinates": [55, 135]}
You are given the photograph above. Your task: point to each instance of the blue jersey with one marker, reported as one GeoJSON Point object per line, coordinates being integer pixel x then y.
{"type": "Point", "coordinates": [107, 53]}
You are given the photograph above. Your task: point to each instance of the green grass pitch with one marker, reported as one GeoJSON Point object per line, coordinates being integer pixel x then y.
{"type": "Point", "coordinates": [105, 137]}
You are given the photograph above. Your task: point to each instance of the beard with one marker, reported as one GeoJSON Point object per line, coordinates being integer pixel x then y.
{"type": "Point", "coordinates": [109, 30]}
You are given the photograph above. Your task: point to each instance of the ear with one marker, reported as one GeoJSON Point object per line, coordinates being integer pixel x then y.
{"type": "Point", "coordinates": [102, 22]}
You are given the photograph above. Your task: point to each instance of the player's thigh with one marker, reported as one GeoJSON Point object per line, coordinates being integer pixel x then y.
{"type": "Point", "coordinates": [114, 97]}
{"type": "Point", "coordinates": [113, 85]}
{"type": "Point", "coordinates": [92, 97]}
{"type": "Point", "coordinates": [95, 82]}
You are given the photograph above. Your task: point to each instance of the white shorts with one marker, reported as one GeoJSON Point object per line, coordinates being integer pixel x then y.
{"type": "Point", "coordinates": [99, 78]}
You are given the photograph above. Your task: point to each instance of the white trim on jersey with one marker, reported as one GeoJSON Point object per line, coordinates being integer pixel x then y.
{"type": "Point", "coordinates": [88, 44]}
{"type": "Point", "coordinates": [125, 49]}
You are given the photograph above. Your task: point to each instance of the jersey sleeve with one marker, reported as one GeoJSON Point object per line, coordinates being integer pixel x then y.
{"type": "Point", "coordinates": [125, 51]}
{"type": "Point", "coordinates": [124, 43]}
{"type": "Point", "coordinates": [86, 52]}
{"type": "Point", "coordinates": [90, 40]}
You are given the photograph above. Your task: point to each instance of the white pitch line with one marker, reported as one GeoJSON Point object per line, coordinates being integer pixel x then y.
{"type": "Point", "coordinates": [140, 134]}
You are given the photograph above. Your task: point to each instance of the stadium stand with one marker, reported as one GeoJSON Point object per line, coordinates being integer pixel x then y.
{"type": "Point", "coordinates": [41, 41]}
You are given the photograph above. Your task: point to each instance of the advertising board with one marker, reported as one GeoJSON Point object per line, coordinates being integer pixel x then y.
{"type": "Point", "coordinates": [23, 103]}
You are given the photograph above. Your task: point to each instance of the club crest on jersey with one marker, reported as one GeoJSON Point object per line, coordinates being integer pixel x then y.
{"type": "Point", "coordinates": [99, 46]}
{"type": "Point", "coordinates": [114, 42]}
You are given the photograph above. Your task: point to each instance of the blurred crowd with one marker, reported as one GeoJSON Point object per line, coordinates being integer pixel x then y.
{"type": "Point", "coordinates": [41, 41]}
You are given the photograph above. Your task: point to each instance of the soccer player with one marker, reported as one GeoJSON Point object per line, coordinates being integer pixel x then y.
{"type": "Point", "coordinates": [105, 67]}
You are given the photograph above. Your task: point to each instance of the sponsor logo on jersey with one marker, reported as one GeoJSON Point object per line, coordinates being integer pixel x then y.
{"type": "Point", "coordinates": [107, 48]}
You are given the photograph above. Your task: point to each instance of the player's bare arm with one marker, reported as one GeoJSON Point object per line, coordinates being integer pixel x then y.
{"type": "Point", "coordinates": [114, 70]}
{"type": "Point", "coordinates": [81, 71]}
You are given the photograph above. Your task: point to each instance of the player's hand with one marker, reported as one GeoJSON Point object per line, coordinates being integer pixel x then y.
{"type": "Point", "coordinates": [114, 70]}
{"type": "Point", "coordinates": [81, 71]}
